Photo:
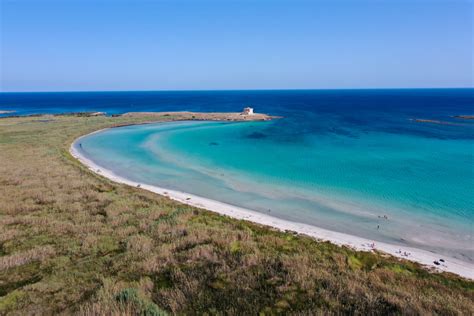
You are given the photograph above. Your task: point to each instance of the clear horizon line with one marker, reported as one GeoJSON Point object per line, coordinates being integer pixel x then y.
{"type": "Point", "coordinates": [256, 89]}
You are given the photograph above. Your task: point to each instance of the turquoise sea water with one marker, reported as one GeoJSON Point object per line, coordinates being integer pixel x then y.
{"type": "Point", "coordinates": [337, 182]}
{"type": "Point", "coordinates": [339, 159]}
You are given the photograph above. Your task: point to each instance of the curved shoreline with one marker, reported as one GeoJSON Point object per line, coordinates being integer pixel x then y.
{"type": "Point", "coordinates": [423, 257]}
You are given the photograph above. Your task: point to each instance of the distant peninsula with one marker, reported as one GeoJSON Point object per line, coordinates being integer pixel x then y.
{"type": "Point", "coordinates": [464, 117]}
{"type": "Point", "coordinates": [203, 116]}
{"type": "Point", "coordinates": [434, 122]}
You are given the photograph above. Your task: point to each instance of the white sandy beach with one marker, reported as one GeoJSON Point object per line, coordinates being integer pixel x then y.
{"type": "Point", "coordinates": [423, 257]}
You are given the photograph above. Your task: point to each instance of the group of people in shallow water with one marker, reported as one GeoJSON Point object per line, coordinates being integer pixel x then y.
{"type": "Point", "coordinates": [384, 217]}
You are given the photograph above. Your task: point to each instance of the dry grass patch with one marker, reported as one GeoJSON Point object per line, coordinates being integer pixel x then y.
{"type": "Point", "coordinates": [21, 258]}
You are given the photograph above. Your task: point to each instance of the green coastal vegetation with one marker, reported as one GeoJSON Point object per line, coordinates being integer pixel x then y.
{"type": "Point", "coordinates": [74, 242]}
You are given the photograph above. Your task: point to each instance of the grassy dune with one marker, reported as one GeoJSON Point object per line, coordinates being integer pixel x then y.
{"type": "Point", "coordinates": [73, 242]}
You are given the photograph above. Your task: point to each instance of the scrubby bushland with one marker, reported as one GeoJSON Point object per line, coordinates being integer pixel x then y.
{"type": "Point", "coordinates": [73, 242]}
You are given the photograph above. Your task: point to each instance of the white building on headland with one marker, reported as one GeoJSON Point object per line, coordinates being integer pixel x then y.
{"type": "Point", "coordinates": [247, 111]}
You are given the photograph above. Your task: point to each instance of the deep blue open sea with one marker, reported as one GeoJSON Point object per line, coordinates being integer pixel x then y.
{"type": "Point", "coordinates": [338, 159]}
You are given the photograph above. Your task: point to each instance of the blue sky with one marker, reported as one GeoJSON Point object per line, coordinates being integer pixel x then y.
{"type": "Point", "coordinates": [89, 45]}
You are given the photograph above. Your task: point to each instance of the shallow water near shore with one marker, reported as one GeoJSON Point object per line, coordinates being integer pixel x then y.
{"type": "Point", "coordinates": [380, 186]}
